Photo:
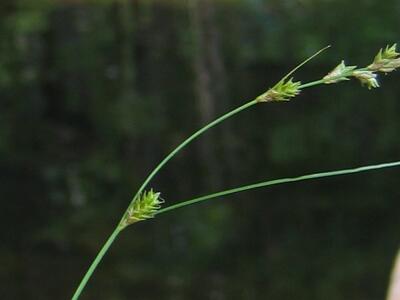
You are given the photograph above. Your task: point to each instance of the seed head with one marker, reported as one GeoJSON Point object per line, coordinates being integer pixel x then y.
{"type": "Point", "coordinates": [339, 73]}
{"type": "Point", "coordinates": [282, 91]}
{"type": "Point", "coordinates": [386, 60]}
{"type": "Point", "coordinates": [143, 207]}
{"type": "Point", "coordinates": [367, 78]}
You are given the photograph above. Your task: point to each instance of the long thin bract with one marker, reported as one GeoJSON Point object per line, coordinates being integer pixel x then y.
{"type": "Point", "coordinates": [279, 181]}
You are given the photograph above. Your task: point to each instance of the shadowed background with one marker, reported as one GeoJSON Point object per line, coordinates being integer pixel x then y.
{"type": "Point", "coordinates": [93, 94]}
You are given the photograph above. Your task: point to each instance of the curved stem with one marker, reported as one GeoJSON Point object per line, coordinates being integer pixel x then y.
{"type": "Point", "coordinates": [118, 229]}
{"type": "Point", "coordinates": [278, 181]}
{"type": "Point", "coordinates": [188, 140]}
{"type": "Point", "coordinates": [95, 262]}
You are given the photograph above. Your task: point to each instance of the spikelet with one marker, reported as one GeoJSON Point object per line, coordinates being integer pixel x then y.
{"type": "Point", "coordinates": [142, 208]}
{"type": "Point", "coordinates": [282, 91]}
{"type": "Point", "coordinates": [386, 60]}
{"type": "Point", "coordinates": [367, 78]}
{"type": "Point", "coordinates": [339, 73]}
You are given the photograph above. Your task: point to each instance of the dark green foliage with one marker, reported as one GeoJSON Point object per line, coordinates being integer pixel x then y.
{"type": "Point", "coordinates": [93, 95]}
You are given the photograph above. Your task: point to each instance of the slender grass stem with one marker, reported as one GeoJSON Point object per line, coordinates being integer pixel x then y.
{"type": "Point", "coordinates": [119, 228]}
{"type": "Point", "coordinates": [313, 83]}
{"type": "Point", "coordinates": [278, 181]}
{"type": "Point", "coordinates": [212, 124]}
{"type": "Point", "coordinates": [95, 262]}
{"type": "Point", "coordinates": [121, 225]}
{"type": "Point", "coordinates": [188, 140]}
{"type": "Point", "coordinates": [323, 81]}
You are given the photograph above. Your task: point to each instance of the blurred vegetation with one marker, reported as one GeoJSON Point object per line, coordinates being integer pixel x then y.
{"type": "Point", "coordinates": [94, 93]}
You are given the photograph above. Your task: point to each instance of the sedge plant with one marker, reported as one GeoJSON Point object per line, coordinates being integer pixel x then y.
{"type": "Point", "coordinates": [146, 203]}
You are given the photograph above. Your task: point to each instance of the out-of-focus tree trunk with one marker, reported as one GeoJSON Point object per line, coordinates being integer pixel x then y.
{"type": "Point", "coordinates": [125, 12]}
{"type": "Point", "coordinates": [128, 14]}
{"type": "Point", "coordinates": [394, 286]}
{"type": "Point", "coordinates": [210, 84]}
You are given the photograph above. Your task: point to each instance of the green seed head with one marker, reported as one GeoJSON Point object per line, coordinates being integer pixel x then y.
{"type": "Point", "coordinates": [339, 73]}
{"type": "Point", "coordinates": [367, 78]}
{"type": "Point", "coordinates": [386, 60]}
{"type": "Point", "coordinates": [282, 91]}
{"type": "Point", "coordinates": [143, 207]}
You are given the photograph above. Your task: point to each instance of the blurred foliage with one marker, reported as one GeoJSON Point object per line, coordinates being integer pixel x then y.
{"type": "Point", "coordinates": [94, 93]}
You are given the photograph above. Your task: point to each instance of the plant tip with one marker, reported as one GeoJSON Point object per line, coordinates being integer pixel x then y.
{"type": "Point", "coordinates": [386, 61]}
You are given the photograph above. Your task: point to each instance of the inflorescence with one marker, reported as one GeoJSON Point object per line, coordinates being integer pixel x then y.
{"type": "Point", "coordinates": [386, 61]}
{"type": "Point", "coordinates": [144, 207]}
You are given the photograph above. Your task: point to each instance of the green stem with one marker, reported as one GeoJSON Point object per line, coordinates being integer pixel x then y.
{"type": "Point", "coordinates": [118, 229]}
{"type": "Point", "coordinates": [188, 140]}
{"type": "Point", "coordinates": [278, 181]}
{"type": "Point", "coordinates": [143, 186]}
{"type": "Point", "coordinates": [323, 81]}
{"type": "Point", "coordinates": [158, 168]}
{"type": "Point", "coordinates": [313, 83]}
{"type": "Point", "coordinates": [215, 122]}
{"type": "Point", "coordinates": [94, 264]}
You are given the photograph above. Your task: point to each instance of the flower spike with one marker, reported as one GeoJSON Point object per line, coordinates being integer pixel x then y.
{"type": "Point", "coordinates": [367, 78]}
{"type": "Point", "coordinates": [386, 60]}
{"type": "Point", "coordinates": [144, 207]}
{"type": "Point", "coordinates": [339, 73]}
{"type": "Point", "coordinates": [282, 91]}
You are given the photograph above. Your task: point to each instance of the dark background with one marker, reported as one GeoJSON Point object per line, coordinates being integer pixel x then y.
{"type": "Point", "coordinates": [93, 94]}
